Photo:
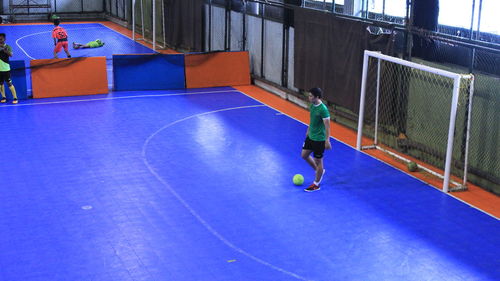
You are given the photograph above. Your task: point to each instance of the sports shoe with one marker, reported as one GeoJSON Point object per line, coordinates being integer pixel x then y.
{"type": "Point", "coordinates": [3, 100]}
{"type": "Point", "coordinates": [15, 101]}
{"type": "Point", "coordinates": [312, 188]}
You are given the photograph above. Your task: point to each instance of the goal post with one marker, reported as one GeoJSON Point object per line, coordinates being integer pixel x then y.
{"type": "Point", "coordinates": [148, 21]}
{"type": "Point", "coordinates": [415, 111]}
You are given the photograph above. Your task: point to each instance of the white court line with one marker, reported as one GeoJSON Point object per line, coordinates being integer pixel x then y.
{"type": "Point", "coordinates": [191, 210]}
{"type": "Point", "coordinates": [194, 93]}
{"type": "Point", "coordinates": [50, 31]}
{"type": "Point", "coordinates": [116, 98]}
{"type": "Point", "coordinates": [126, 36]}
{"type": "Point", "coordinates": [83, 28]}
{"type": "Point", "coordinates": [403, 171]}
{"type": "Point", "coordinates": [108, 69]}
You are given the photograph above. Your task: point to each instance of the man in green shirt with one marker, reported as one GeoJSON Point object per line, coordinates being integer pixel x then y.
{"type": "Point", "coordinates": [92, 44]}
{"type": "Point", "coordinates": [317, 137]}
{"type": "Point", "coordinates": [5, 54]}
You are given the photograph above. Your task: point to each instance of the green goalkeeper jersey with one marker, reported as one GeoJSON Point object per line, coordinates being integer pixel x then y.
{"type": "Point", "coordinates": [4, 57]}
{"type": "Point", "coordinates": [95, 44]}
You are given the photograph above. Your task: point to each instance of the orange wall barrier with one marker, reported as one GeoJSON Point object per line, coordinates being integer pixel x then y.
{"type": "Point", "coordinates": [69, 77]}
{"type": "Point", "coordinates": [217, 69]}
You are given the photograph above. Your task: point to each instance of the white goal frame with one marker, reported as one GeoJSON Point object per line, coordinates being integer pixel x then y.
{"type": "Point", "coordinates": [153, 42]}
{"type": "Point", "coordinates": [453, 114]}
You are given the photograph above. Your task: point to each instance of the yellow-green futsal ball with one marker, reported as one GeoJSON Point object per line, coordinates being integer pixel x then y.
{"type": "Point", "coordinates": [412, 166]}
{"type": "Point", "coordinates": [298, 179]}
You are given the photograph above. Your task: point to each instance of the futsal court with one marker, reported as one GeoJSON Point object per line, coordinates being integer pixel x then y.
{"type": "Point", "coordinates": [30, 42]}
{"type": "Point", "coordinates": [196, 184]}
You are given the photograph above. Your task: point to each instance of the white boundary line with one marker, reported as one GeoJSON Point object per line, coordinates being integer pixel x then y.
{"type": "Point", "coordinates": [116, 98]}
{"type": "Point", "coordinates": [451, 195]}
{"type": "Point", "coordinates": [178, 197]}
{"type": "Point", "coordinates": [108, 69]}
{"type": "Point", "coordinates": [83, 28]}
{"type": "Point", "coordinates": [235, 90]}
{"type": "Point", "coordinates": [126, 37]}
{"type": "Point", "coordinates": [191, 210]}
{"type": "Point", "coordinates": [31, 34]}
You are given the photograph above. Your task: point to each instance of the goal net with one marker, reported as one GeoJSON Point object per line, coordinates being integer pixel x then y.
{"type": "Point", "coordinates": [417, 113]}
{"type": "Point", "coordinates": [148, 22]}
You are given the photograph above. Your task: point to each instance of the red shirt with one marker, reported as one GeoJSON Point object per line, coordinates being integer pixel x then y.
{"type": "Point", "coordinates": [59, 33]}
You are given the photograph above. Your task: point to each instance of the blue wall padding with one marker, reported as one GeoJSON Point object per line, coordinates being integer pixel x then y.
{"type": "Point", "coordinates": [148, 72]}
{"type": "Point", "coordinates": [18, 76]}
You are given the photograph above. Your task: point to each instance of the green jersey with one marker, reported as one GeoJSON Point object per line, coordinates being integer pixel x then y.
{"type": "Point", "coordinates": [317, 127]}
{"type": "Point", "coordinates": [5, 50]}
{"type": "Point", "coordinates": [95, 44]}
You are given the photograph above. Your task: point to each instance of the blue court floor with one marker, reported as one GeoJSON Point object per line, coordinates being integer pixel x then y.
{"type": "Point", "coordinates": [30, 42]}
{"type": "Point", "coordinates": [196, 185]}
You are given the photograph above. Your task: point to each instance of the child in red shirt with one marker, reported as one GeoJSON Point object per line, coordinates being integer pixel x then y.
{"type": "Point", "coordinates": [60, 39]}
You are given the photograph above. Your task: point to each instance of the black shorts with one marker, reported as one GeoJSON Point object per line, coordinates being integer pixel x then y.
{"type": "Point", "coordinates": [318, 147]}
{"type": "Point", "coordinates": [5, 77]}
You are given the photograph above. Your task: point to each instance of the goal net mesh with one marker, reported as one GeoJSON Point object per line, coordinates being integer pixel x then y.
{"type": "Point", "coordinates": [407, 110]}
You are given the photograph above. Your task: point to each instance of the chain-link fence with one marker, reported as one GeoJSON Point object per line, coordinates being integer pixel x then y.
{"type": "Point", "coordinates": [218, 28]}
{"type": "Point", "coordinates": [142, 13]}
{"type": "Point", "coordinates": [41, 10]}
{"type": "Point", "coordinates": [118, 9]}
